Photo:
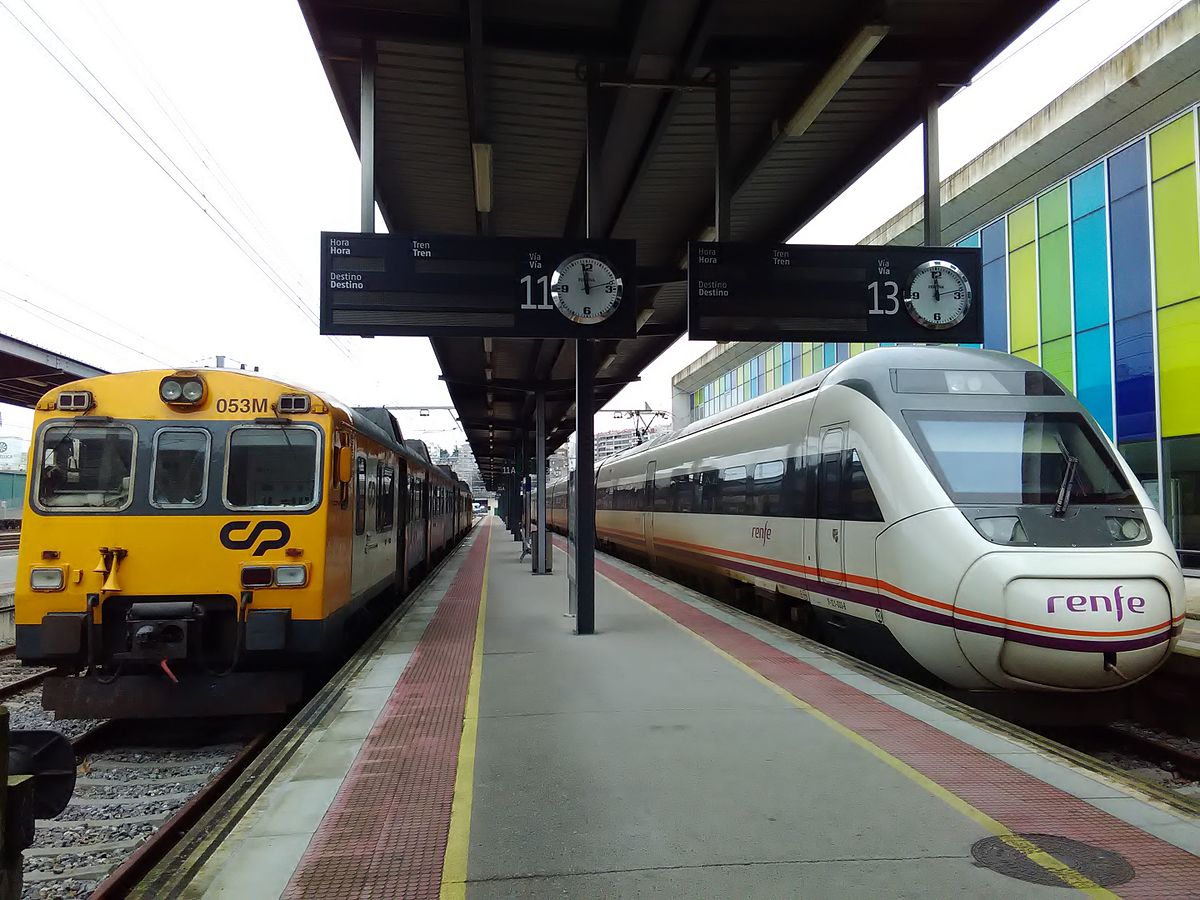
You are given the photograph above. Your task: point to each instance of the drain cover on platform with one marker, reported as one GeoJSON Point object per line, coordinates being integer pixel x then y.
{"type": "Point", "coordinates": [1101, 866]}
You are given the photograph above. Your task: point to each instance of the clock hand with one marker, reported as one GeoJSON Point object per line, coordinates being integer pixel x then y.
{"type": "Point", "coordinates": [587, 289]}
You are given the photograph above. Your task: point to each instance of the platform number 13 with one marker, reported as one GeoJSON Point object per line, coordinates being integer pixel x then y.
{"type": "Point", "coordinates": [891, 292]}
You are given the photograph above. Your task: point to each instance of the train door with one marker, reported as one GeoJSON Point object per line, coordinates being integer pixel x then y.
{"type": "Point", "coordinates": [402, 560]}
{"type": "Point", "coordinates": [648, 510]}
{"type": "Point", "coordinates": [831, 557]}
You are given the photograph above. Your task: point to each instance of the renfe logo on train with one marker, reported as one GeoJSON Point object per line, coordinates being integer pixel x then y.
{"type": "Point", "coordinates": [761, 533]}
{"type": "Point", "coordinates": [1077, 603]}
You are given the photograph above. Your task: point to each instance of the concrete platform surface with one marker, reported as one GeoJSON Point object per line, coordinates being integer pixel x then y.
{"type": "Point", "coordinates": [684, 750]}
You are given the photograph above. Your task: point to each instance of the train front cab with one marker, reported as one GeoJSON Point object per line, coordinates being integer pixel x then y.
{"type": "Point", "coordinates": [1082, 596]}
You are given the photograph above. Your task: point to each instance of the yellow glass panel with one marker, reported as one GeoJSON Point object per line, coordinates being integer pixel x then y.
{"type": "Point", "coordinates": [1179, 368]}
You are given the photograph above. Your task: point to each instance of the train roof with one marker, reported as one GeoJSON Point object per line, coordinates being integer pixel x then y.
{"type": "Point", "coordinates": [869, 372]}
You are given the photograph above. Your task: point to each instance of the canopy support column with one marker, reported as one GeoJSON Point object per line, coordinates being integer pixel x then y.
{"type": "Point", "coordinates": [933, 181]}
{"type": "Point", "coordinates": [541, 552]}
{"type": "Point", "coordinates": [366, 136]}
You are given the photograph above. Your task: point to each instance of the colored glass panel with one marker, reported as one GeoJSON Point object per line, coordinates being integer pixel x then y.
{"type": "Point", "coordinates": [1030, 354]}
{"type": "Point", "coordinates": [971, 240]}
{"type": "Point", "coordinates": [1176, 237]}
{"type": "Point", "coordinates": [1087, 191]}
{"type": "Point", "coordinates": [1052, 210]}
{"type": "Point", "coordinates": [807, 362]}
{"type": "Point", "coordinates": [1022, 298]}
{"type": "Point", "coordinates": [1172, 147]}
{"type": "Point", "coordinates": [1054, 285]}
{"type": "Point", "coordinates": [1179, 368]}
{"type": "Point", "coordinates": [1089, 261]}
{"type": "Point", "coordinates": [1133, 341]}
{"type": "Point", "coordinates": [1133, 347]}
{"type": "Point", "coordinates": [843, 351]}
{"type": "Point", "coordinates": [995, 288]}
{"type": "Point", "coordinates": [1021, 226]}
{"type": "Point", "coordinates": [1093, 374]}
{"type": "Point", "coordinates": [856, 348]}
{"type": "Point", "coordinates": [1057, 359]}
{"type": "Point", "coordinates": [830, 354]}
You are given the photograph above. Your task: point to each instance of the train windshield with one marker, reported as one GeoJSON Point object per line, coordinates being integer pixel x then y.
{"type": "Point", "coordinates": [180, 467]}
{"type": "Point", "coordinates": [86, 467]}
{"type": "Point", "coordinates": [1017, 457]}
{"type": "Point", "coordinates": [272, 467]}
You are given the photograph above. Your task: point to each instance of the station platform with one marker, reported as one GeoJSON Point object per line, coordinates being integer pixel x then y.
{"type": "Point", "coordinates": [480, 749]}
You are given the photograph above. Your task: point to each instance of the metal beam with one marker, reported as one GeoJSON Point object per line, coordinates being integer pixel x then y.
{"type": "Point", "coordinates": [541, 561]}
{"type": "Point", "coordinates": [932, 196]}
{"type": "Point", "coordinates": [474, 71]}
{"type": "Point", "coordinates": [366, 136]}
{"type": "Point", "coordinates": [723, 167]}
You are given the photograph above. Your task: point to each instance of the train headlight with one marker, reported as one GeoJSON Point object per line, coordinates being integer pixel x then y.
{"type": "Point", "coordinates": [257, 576]}
{"type": "Point", "coordinates": [170, 390]}
{"type": "Point", "coordinates": [193, 391]}
{"type": "Point", "coordinates": [182, 389]}
{"type": "Point", "coordinates": [1002, 529]}
{"type": "Point", "coordinates": [291, 576]}
{"type": "Point", "coordinates": [46, 579]}
{"type": "Point", "coordinates": [1127, 528]}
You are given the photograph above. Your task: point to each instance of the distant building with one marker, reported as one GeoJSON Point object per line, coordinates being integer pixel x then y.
{"type": "Point", "coordinates": [611, 442]}
{"type": "Point", "coordinates": [462, 461]}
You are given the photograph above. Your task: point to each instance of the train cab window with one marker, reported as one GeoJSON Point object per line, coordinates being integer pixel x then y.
{"type": "Point", "coordinates": [360, 496]}
{"type": "Point", "coordinates": [86, 467]}
{"type": "Point", "coordinates": [272, 467]}
{"type": "Point", "coordinates": [179, 471]}
{"type": "Point", "coordinates": [1017, 457]}
{"type": "Point", "coordinates": [861, 505]}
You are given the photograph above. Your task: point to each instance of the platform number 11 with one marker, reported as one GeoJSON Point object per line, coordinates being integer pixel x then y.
{"type": "Point", "coordinates": [892, 295]}
{"type": "Point", "coordinates": [544, 284]}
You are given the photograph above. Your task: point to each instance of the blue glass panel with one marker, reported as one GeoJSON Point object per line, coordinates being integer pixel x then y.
{"type": "Point", "coordinates": [1087, 191]}
{"type": "Point", "coordinates": [1127, 171]}
{"type": "Point", "coordinates": [971, 240]}
{"type": "Point", "coordinates": [1133, 347]}
{"type": "Point", "coordinates": [787, 369]}
{"type": "Point", "coordinates": [830, 354]}
{"type": "Point", "coordinates": [762, 384]}
{"type": "Point", "coordinates": [1130, 255]}
{"type": "Point", "coordinates": [1093, 375]}
{"type": "Point", "coordinates": [843, 352]}
{"type": "Point", "coordinates": [1089, 246]}
{"type": "Point", "coordinates": [994, 245]}
{"type": "Point", "coordinates": [995, 313]}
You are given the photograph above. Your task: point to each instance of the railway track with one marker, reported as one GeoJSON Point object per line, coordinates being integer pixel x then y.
{"type": "Point", "coordinates": [140, 786]}
{"type": "Point", "coordinates": [9, 540]}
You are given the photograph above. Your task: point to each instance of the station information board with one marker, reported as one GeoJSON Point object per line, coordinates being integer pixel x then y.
{"type": "Point", "coordinates": [808, 292]}
{"type": "Point", "coordinates": [457, 285]}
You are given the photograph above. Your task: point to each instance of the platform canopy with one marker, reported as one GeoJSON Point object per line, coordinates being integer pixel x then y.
{"type": "Point", "coordinates": [28, 371]}
{"type": "Point", "coordinates": [480, 128]}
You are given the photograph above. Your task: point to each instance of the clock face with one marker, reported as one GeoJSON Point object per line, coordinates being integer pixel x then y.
{"type": "Point", "coordinates": [939, 295]}
{"type": "Point", "coordinates": [586, 289]}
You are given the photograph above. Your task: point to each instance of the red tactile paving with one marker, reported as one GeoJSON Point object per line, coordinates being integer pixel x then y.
{"type": "Point", "coordinates": [1011, 797]}
{"type": "Point", "coordinates": [385, 834]}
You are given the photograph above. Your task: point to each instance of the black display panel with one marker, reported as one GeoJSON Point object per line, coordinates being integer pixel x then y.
{"type": "Point", "coordinates": [455, 285]}
{"type": "Point", "coordinates": [810, 292]}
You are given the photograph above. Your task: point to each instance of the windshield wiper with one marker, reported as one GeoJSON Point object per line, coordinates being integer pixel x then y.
{"type": "Point", "coordinates": [1068, 480]}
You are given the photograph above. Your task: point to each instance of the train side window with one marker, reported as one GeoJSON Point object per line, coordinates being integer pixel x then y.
{"type": "Point", "coordinates": [861, 505]}
{"type": "Point", "coordinates": [708, 486]}
{"type": "Point", "coordinates": [733, 491]}
{"type": "Point", "coordinates": [360, 496]}
{"type": "Point", "coordinates": [179, 478]}
{"type": "Point", "coordinates": [797, 496]}
{"type": "Point", "coordinates": [387, 498]}
{"type": "Point", "coordinates": [683, 494]}
{"type": "Point", "coordinates": [768, 488]}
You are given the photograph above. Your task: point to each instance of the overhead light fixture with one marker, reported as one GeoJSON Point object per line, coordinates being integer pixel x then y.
{"type": "Point", "coordinates": [423, 412]}
{"type": "Point", "coordinates": [481, 160]}
{"type": "Point", "coordinates": [487, 372]}
{"type": "Point", "coordinates": [853, 55]}
{"type": "Point", "coordinates": [608, 361]}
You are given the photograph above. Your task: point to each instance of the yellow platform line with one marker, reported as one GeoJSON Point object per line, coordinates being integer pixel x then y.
{"type": "Point", "coordinates": [1059, 869]}
{"type": "Point", "coordinates": [458, 839]}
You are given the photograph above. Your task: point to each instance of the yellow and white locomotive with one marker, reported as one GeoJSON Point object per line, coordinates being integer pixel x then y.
{"type": "Point", "coordinates": [195, 540]}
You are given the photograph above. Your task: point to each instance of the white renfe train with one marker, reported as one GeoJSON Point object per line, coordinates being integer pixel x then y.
{"type": "Point", "coordinates": [956, 508]}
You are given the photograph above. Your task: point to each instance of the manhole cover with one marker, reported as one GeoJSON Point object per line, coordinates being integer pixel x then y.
{"type": "Point", "coordinates": [1100, 866]}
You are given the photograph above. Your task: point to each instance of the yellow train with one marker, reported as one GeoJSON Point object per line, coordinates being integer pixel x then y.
{"type": "Point", "coordinates": [194, 541]}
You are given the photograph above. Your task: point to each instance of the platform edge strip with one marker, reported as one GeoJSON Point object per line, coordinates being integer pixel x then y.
{"type": "Point", "coordinates": [1035, 854]}
{"type": "Point", "coordinates": [458, 837]}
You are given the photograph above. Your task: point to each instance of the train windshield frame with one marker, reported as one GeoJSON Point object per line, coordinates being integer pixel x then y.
{"type": "Point", "coordinates": [255, 457]}
{"type": "Point", "coordinates": [1016, 457]}
{"type": "Point", "coordinates": [179, 467]}
{"type": "Point", "coordinates": [85, 467]}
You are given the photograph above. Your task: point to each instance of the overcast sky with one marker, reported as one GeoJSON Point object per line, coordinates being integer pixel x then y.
{"type": "Point", "coordinates": [207, 244]}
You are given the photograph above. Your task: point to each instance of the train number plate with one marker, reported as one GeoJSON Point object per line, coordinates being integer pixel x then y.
{"type": "Point", "coordinates": [242, 405]}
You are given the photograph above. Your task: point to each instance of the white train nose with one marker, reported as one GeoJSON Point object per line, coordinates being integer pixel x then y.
{"type": "Point", "coordinates": [1097, 630]}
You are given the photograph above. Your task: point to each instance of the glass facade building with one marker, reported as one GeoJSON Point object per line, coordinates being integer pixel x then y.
{"type": "Point", "coordinates": [1096, 279]}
